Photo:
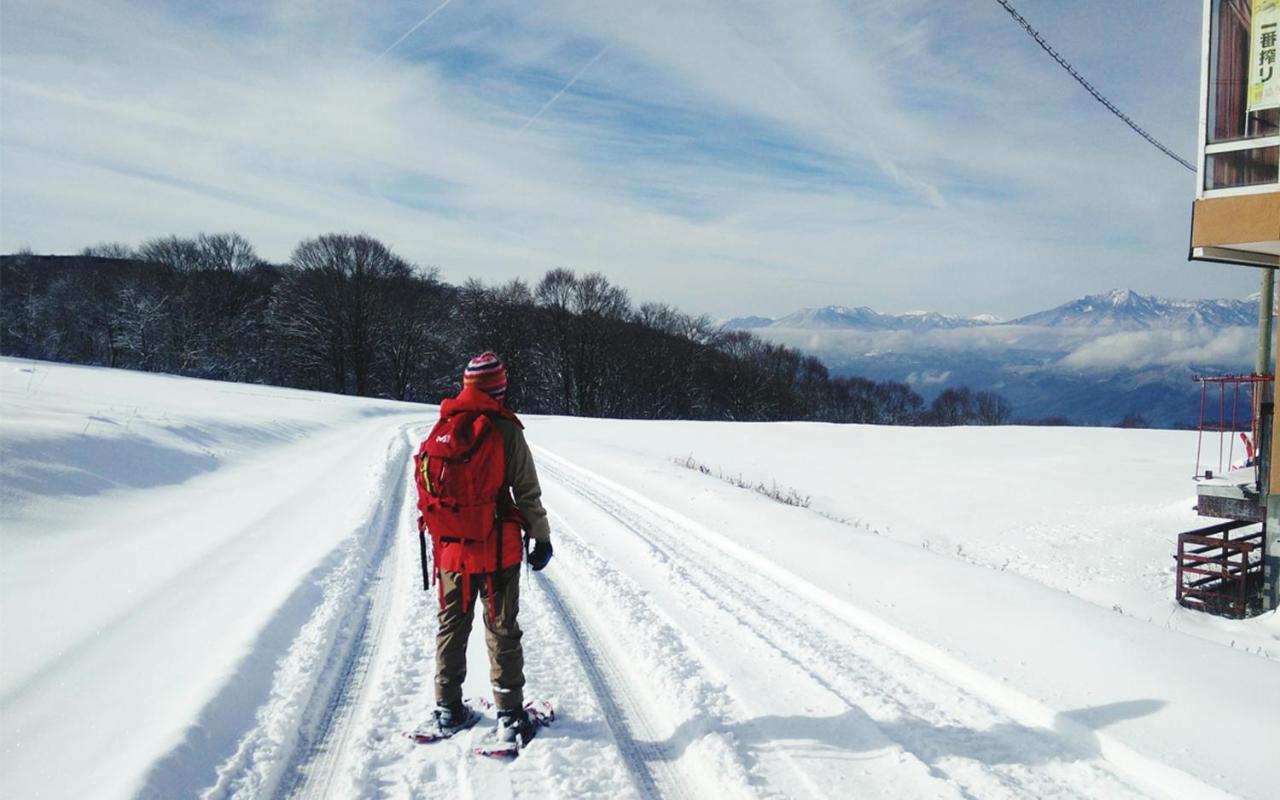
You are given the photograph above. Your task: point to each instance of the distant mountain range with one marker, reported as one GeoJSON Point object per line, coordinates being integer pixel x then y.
{"type": "Point", "coordinates": [1121, 309]}
{"type": "Point", "coordinates": [861, 318]}
{"type": "Point", "coordinates": [1124, 309]}
{"type": "Point", "coordinates": [1092, 360]}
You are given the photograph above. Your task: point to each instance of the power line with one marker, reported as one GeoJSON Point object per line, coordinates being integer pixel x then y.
{"type": "Point", "coordinates": [1013, 12]}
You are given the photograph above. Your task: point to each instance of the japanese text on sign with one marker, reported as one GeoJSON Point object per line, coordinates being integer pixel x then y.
{"type": "Point", "coordinates": [1264, 73]}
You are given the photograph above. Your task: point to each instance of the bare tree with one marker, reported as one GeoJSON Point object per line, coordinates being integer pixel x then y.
{"type": "Point", "coordinates": [349, 315]}
{"type": "Point", "coordinates": [415, 320]}
{"type": "Point", "coordinates": [140, 317]}
{"type": "Point", "coordinates": [225, 251]}
{"type": "Point", "coordinates": [174, 252]}
{"type": "Point", "coordinates": [556, 289]}
{"type": "Point", "coordinates": [594, 296]}
{"type": "Point", "coordinates": [990, 408]}
{"type": "Point", "coordinates": [109, 250]}
{"type": "Point", "coordinates": [555, 293]}
{"type": "Point", "coordinates": [344, 287]}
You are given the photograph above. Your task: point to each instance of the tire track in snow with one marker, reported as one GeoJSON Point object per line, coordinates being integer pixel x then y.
{"type": "Point", "coordinates": [830, 650]}
{"type": "Point", "coordinates": [728, 601]}
{"type": "Point", "coordinates": [625, 719]}
{"type": "Point", "coordinates": [318, 687]}
{"type": "Point", "coordinates": [318, 776]}
{"type": "Point", "coordinates": [649, 669]}
{"type": "Point", "coordinates": [783, 776]}
{"type": "Point", "coordinates": [318, 773]}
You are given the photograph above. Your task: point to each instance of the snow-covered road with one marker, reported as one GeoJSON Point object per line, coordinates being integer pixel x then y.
{"type": "Point", "coordinates": [805, 713]}
{"type": "Point", "coordinates": [245, 601]}
{"type": "Point", "coordinates": [684, 666]}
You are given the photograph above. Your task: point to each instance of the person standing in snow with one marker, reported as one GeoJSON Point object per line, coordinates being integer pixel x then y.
{"type": "Point", "coordinates": [479, 445]}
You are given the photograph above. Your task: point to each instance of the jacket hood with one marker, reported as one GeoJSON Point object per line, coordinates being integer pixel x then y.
{"type": "Point", "coordinates": [476, 400]}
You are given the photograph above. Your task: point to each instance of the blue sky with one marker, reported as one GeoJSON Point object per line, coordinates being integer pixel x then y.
{"type": "Point", "coordinates": [726, 157]}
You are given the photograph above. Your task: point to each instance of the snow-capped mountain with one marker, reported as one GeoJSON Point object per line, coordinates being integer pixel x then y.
{"type": "Point", "coordinates": [1120, 309]}
{"type": "Point", "coordinates": [1125, 309]}
{"type": "Point", "coordinates": [746, 323]}
{"type": "Point", "coordinates": [861, 318]}
{"type": "Point", "coordinates": [1094, 359]}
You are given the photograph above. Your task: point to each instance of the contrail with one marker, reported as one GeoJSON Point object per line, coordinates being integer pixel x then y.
{"type": "Point", "coordinates": [565, 88]}
{"type": "Point", "coordinates": [409, 32]}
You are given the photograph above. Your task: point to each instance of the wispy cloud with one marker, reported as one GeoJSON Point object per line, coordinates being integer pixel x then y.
{"type": "Point", "coordinates": [726, 156]}
{"type": "Point", "coordinates": [1139, 349]}
{"type": "Point", "coordinates": [929, 377]}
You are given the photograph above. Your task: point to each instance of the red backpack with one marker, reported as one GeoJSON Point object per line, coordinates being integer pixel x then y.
{"type": "Point", "coordinates": [465, 505]}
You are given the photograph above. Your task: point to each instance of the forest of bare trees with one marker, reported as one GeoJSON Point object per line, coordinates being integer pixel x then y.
{"type": "Point", "coordinates": [347, 314]}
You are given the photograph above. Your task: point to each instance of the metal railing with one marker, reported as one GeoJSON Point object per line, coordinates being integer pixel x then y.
{"type": "Point", "coordinates": [1233, 422]}
{"type": "Point", "coordinates": [1219, 574]}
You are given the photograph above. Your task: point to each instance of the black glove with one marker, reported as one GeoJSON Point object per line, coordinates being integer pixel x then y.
{"type": "Point", "coordinates": [540, 555]}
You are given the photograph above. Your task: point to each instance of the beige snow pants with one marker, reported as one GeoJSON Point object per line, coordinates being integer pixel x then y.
{"type": "Point", "coordinates": [502, 635]}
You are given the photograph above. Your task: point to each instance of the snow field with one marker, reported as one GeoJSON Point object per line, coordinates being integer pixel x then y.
{"type": "Point", "coordinates": [660, 695]}
{"type": "Point", "coordinates": [140, 600]}
{"type": "Point", "coordinates": [324, 658]}
{"type": "Point", "coordinates": [845, 684]}
{"type": "Point", "coordinates": [231, 575]}
{"type": "Point", "coordinates": [1101, 682]}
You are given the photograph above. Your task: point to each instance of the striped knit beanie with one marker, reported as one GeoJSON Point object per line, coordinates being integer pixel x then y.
{"type": "Point", "coordinates": [487, 373]}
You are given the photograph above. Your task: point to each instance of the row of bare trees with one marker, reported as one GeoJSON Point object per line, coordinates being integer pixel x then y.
{"type": "Point", "coordinates": [347, 314]}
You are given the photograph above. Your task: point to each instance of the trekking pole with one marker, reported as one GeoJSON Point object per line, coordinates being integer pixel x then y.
{"type": "Point", "coordinates": [422, 547]}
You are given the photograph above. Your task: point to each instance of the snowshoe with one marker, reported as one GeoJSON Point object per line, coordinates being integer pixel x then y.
{"type": "Point", "coordinates": [515, 729]}
{"type": "Point", "coordinates": [446, 722]}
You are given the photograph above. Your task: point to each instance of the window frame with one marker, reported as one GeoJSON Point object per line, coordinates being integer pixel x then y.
{"type": "Point", "coordinates": [1204, 147]}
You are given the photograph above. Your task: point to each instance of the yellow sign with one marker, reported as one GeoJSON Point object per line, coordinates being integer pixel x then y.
{"type": "Point", "coordinates": [1264, 72]}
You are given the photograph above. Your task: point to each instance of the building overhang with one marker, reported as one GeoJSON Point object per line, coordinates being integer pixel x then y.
{"type": "Point", "coordinates": [1241, 229]}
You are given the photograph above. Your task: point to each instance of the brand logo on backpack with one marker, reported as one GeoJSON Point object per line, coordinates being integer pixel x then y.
{"type": "Point", "coordinates": [461, 473]}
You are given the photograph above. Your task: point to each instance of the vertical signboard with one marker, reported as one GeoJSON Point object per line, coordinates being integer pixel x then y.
{"type": "Point", "coordinates": [1264, 72]}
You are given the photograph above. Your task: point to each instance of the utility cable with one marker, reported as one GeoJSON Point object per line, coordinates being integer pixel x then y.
{"type": "Point", "coordinates": [1013, 12]}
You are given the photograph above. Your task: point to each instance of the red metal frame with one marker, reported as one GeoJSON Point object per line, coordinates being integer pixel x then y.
{"type": "Point", "coordinates": [1259, 389]}
{"type": "Point", "coordinates": [1217, 573]}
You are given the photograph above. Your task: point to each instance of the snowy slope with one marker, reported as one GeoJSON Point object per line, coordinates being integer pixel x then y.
{"type": "Point", "coordinates": [213, 590]}
{"type": "Point", "coordinates": [165, 540]}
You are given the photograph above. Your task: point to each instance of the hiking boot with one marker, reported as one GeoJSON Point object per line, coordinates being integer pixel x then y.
{"type": "Point", "coordinates": [514, 726]}
{"type": "Point", "coordinates": [450, 716]}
